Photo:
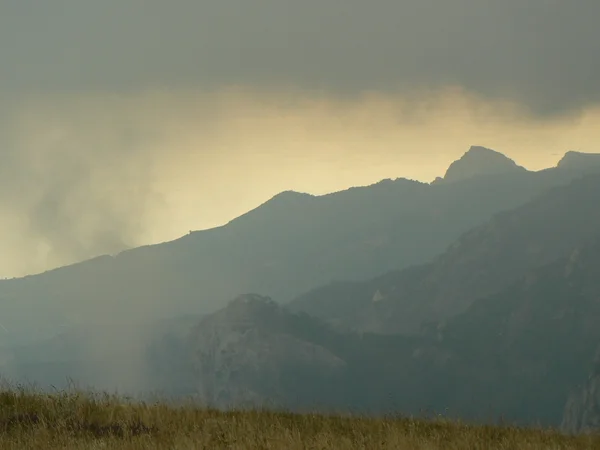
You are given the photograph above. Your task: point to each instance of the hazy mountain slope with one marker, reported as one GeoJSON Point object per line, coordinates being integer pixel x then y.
{"type": "Point", "coordinates": [482, 261]}
{"type": "Point", "coordinates": [133, 358]}
{"type": "Point", "coordinates": [283, 248]}
{"type": "Point", "coordinates": [513, 355]}
{"type": "Point", "coordinates": [253, 351]}
{"type": "Point", "coordinates": [522, 350]}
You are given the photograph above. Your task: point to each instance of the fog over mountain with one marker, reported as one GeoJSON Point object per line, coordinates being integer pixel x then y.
{"type": "Point", "coordinates": [521, 350]}
{"type": "Point", "coordinates": [287, 246]}
{"type": "Point", "coordinates": [130, 123]}
{"type": "Point", "coordinates": [91, 174]}
{"type": "Point", "coordinates": [373, 207]}
{"type": "Point", "coordinates": [478, 317]}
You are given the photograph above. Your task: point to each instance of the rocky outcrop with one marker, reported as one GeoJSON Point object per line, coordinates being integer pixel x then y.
{"type": "Point", "coordinates": [582, 411]}
{"type": "Point", "coordinates": [252, 351]}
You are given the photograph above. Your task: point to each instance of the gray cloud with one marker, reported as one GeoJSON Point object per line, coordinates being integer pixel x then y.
{"type": "Point", "coordinates": [544, 53]}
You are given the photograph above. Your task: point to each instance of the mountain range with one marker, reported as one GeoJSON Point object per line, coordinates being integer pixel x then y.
{"type": "Point", "coordinates": [479, 263]}
{"type": "Point", "coordinates": [285, 247]}
{"type": "Point", "coordinates": [477, 296]}
{"type": "Point", "coordinates": [514, 353]}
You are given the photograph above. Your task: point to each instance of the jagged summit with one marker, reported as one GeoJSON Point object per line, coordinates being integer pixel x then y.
{"type": "Point", "coordinates": [579, 161]}
{"type": "Point", "coordinates": [480, 161]}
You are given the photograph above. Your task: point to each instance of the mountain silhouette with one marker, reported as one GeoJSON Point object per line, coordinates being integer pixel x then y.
{"type": "Point", "coordinates": [480, 161]}
{"type": "Point", "coordinates": [287, 246]}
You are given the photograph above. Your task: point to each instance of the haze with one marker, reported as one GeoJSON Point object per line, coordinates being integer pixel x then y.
{"type": "Point", "coordinates": [124, 123]}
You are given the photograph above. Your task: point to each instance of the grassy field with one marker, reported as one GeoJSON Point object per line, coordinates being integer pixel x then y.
{"type": "Point", "coordinates": [82, 421]}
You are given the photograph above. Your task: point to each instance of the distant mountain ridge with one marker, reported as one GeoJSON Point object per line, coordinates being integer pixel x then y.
{"type": "Point", "coordinates": [482, 261]}
{"type": "Point", "coordinates": [287, 246]}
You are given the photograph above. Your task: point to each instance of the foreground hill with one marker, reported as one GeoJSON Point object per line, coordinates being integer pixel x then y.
{"type": "Point", "coordinates": [84, 422]}
{"type": "Point", "coordinates": [481, 262]}
{"type": "Point", "coordinates": [287, 246]}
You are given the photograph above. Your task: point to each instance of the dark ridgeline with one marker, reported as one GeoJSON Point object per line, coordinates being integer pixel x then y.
{"type": "Point", "coordinates": [291, 244]}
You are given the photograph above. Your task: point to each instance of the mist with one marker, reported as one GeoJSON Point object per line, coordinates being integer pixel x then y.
{"type": "Point", "coordinates": [125, 123]}
{"type": "Point", "coordinates": [82, 176]}
{"type": "Point", "coordinates": [129, 123]}
{"type": "Point", "coordinates": [86, 175]}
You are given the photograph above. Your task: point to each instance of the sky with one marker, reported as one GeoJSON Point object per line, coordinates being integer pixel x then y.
{"type": "Point", "coordinates": [125, 122]}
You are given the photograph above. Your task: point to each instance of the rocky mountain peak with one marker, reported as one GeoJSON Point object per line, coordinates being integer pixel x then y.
{"type": "Point", "coordinates": [234, 350]}
{"type": "Point", "coordinates": [479, 161]}
{"type": "Point", "coordinates": [579, 161]}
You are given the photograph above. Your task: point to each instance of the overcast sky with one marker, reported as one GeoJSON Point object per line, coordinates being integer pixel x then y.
{"type": "Point", "coordinates": [131, 121]}
{"type": "Point", "coordinates": [544, 53]}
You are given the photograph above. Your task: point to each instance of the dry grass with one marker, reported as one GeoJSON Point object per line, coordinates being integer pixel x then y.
{"type": "Point", "coordinates": [30, 420]}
